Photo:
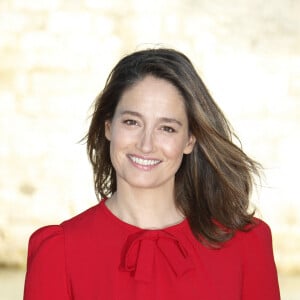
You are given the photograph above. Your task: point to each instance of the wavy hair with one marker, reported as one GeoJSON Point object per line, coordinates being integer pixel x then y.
{"type": "Point", "coordinates": [214, 182]}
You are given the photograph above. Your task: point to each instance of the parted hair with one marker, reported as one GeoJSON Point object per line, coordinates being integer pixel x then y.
{"type": "Point", "coordinates": [214, 182]}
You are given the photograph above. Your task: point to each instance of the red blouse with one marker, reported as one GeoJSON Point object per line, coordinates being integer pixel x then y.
{"type": "Point", "coordinates": [95, 255]}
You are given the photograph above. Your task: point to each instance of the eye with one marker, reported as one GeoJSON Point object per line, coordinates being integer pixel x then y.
{"type": "Point", "coordinates": [130, 122]}
{"type": "Point", "coordinates": [168, 129]}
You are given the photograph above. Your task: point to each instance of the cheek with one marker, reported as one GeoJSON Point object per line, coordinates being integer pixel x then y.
{"type": "Point", "coordinates": [172, 148]}
{"type": "Point", "coordinates": [120, 139]}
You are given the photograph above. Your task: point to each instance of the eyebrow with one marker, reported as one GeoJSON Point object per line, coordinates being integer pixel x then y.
{"type": "Point", "coordinates": [163, 119]}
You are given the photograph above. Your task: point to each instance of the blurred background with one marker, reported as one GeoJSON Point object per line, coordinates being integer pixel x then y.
{"type": "Point", "coordinates": [54, 59]}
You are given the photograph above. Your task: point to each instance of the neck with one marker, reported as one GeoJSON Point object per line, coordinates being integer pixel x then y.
{"type": "Point", "coordinates": [147, 209]}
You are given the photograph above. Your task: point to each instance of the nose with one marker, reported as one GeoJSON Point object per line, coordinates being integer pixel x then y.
{"type": "Point", "coordinates": [146, 141]}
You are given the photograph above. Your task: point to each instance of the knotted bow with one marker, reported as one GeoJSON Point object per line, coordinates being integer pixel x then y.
{"type": "Point", "coordinates": [140, 249]}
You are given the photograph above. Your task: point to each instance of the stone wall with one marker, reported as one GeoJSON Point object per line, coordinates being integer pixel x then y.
{"type": "Point", "coordinates": [55, 56]}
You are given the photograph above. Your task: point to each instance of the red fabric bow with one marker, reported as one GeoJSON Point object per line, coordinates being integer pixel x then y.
{"type": "Point", "coordinates": [140, 249]}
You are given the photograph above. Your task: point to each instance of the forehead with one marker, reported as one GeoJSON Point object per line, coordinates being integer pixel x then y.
{"type": "Point", "coordinates": [153, 95]}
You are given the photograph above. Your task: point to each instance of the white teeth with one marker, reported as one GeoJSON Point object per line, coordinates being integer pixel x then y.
{"type": "Point", "coordinates": [144, 162]}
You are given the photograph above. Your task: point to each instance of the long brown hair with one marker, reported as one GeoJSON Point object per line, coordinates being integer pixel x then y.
{"type": "Point", "coordinates": [214, 182]}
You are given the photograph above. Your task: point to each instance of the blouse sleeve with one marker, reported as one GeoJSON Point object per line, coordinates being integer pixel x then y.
{"type": "Point", "coordinates": [260, 274]}
{"type": "Point", "coordinates": [46, 268]}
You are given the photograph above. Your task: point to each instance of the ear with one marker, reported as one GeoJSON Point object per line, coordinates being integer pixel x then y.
{"type": "Point", "coordinates": [190, 144]}
{"type": "Point", "coordinates": [108, 129]}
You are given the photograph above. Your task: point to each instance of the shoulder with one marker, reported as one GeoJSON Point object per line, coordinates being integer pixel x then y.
{"type": "Point", "coordinates": [258, 232]}
{"type": "Point", "coordinates": [46, 276]}
{"type": "Point", "coordinates": [53, 236]}
{"type": "Point", "coordinates": [46, 251]}
{"type": "Point", "coordinates": [260, 227]}
{"type": "Point", "coordinates": [259, 270]}
{"type": "Point", "coordinates": [44, 238]}
{"type": "Point", "coordinates": [256, 243]}
{"type": "Point", "coordinates": [46, 232]}
{"type": "Point", "coordinates": [84, 223]}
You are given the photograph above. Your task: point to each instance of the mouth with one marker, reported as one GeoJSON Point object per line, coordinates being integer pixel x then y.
{"type": "Point", "coordinates": [144, 162]}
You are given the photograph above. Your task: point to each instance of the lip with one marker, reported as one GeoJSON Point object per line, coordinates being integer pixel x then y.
{"type": "Point", "coordinates": [144, 163]}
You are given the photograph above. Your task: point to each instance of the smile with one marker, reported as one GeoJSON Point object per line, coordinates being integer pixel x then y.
{"type": "Point", "coordinates": [144, 162]}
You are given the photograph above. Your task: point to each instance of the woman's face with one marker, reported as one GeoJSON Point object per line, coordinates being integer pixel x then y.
{"type": "Point", "coordinates": [149, 134]}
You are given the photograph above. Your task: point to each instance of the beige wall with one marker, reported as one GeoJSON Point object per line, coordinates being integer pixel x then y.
{"type": "Point", "coordinates": [55, 56]}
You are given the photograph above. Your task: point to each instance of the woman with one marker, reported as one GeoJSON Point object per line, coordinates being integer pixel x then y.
{"type": "Point", "coordinates": [174, 220]}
